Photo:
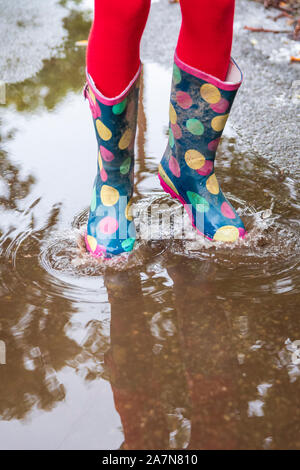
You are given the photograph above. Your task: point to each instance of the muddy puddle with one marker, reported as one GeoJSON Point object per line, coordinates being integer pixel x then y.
{"type": "Point", "coordinates": [182, 344]}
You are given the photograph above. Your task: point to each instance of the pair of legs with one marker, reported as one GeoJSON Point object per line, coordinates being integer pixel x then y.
{"type": "Point", "coordinates": [205, 82]}
{"type": "Point", "coordinates": [113, 54]}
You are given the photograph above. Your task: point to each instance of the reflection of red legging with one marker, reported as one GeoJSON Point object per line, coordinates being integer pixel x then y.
{"type": "Point", "coordinates": [113, 53]}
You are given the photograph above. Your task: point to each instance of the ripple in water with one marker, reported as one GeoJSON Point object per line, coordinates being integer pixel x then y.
{"type": "Point", "coordinates": [271, 245]}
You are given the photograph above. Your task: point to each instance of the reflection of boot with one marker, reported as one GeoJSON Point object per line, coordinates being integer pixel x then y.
{"type": "Point", "coordinates": [135, 386]}
{"type": "Point", "coordinates": [143, 421]}
{"type": "Point", "coordinates": [110, 229]}
{"type": "Point", "coordinates": [206, 344]}
{"type": "Point", "coordinates": [200, 106]}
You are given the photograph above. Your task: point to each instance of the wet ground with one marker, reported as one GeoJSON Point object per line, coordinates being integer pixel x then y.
{"type": "Point", "coordinates": [184, 344]}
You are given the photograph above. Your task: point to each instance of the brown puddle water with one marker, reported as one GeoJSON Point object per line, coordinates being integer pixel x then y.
{"type": "Point", "coordinates": [183, 345]}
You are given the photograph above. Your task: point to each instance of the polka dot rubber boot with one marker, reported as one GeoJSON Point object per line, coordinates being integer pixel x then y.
{"type": "Point", "coordinates": [199, 108]}
{"type": "Point", "coordinates": [110, 228]}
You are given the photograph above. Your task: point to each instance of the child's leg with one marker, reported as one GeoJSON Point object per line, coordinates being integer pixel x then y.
{"type": "Point", "coordinates": [206, 35]}
{"type": "Point", "coordinates": [113, 53]}
{"type": "Point", "coordinates": [201, 100]}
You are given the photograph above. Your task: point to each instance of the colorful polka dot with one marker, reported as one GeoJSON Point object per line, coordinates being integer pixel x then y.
{"type": "Point", "coordinates": [106, 154]}
{"type": "Point", "coordinates": [206, 169]}
{"type": "Point", "coordinates": [173, 114]}
{"type": "Point", "coordinates": [176, 131]}
{"type": "Point", "coordinates": [198, 202]}
{"type": "Point", "coordinates": [212, 184]}
{"type": "Point", "coordinates": [210, 93]}
{"type": "Point", "coordinates": [125, 139]}
{"type": "Point", "coordinates": [194, 159]}
{"type": "Point", "coordinates": [195, 126]}
{"type": "Point", "coordinates": [120, 107]}
{"type": "Point", "coordinates": [184, 100]}
{"type": "Point", "coordinates": [125, 167]}
{"type": "Point", "coordinates": [96, 111]}
{"type": "Point", "coordinates": [174, 166]}
{"type": "Point", "coordinates": [227, 233]}
{"type": "Point", "coordinates": [218, 123]}
{"type": "Point", "coordinates": [109, 195]}
{"type": "Point", "coordinates": [128, 244]}
{"type": "Point", "coordinates": [227, 211]}
{"type": "Point", "coordinates": [108, 225]}
{"type": "Point", "coordinates": [166, 179]}
{"type": "Point", "coordinates": [103, 173]}
{"type": "Point", "coordinates": [171, 138]}
{"type": "Point", "coordinates": [103, 131]}
{"type": "Point", "coordinates": [213, 145]}
{"type": "Point", "coordinates": [176, 75]}
{"type": "Point", "coordinates": [220, 107]}
{"type": "Point", "coordinates": [92, 96]}
{"type": "Point", "coordinates": [128, 211]}
{"type": "Point", "coordinates": [94, 106]}
{"type": "Point", "coordinates": [92, 243]}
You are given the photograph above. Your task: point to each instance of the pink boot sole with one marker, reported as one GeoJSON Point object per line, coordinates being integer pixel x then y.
{"type": "Point", "coordinates": [98, 254]}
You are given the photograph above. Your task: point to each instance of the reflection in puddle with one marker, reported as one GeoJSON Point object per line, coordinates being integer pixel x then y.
{"type": "Point", "coordinates": [182, 344]}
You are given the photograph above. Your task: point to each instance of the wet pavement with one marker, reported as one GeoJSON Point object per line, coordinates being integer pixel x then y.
{"type": "Point", "coordinates": [184, 344]}
{"type": "Point", "coordinates": [266, 111]}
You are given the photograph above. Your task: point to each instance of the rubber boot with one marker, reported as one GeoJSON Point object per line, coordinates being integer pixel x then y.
{"type": "Point", "coordinates": [110, 228]}
{"type": "Point", "coordinates": [199, 108]}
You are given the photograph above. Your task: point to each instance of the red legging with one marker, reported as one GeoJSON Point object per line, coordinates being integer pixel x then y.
{"type": "Point", "coordinates": [113, 53]}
